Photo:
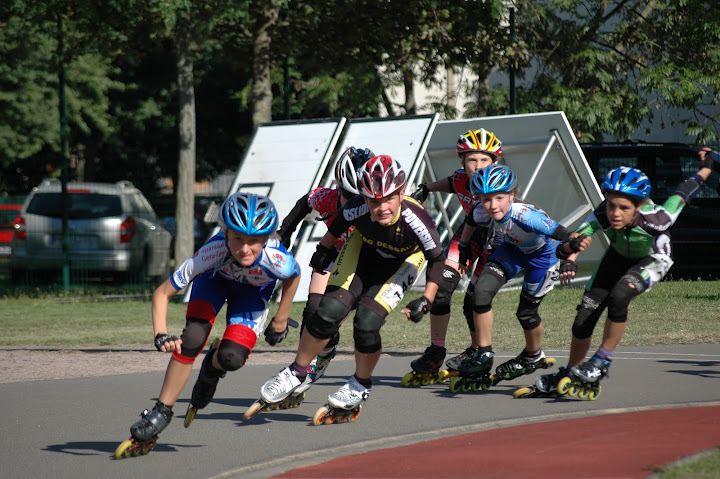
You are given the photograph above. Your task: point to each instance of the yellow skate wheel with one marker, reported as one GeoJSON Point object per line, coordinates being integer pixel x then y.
{"type": "Point", "coordinates": [550, 361]}
{"type": "Point", "coordinates": [190, 415]}
{"type": "Point", "coordinates": [522, 392]}
{"type": "Point", "coordinates": [124, 449]}
{"type": "Point", "coordinates": [563, 387]}
{"type": "Point", "coordinates": [252, 410]}
{"type": "Point", "coordinates": [454, 385]}
{"type": "Point", "coordinates": [594, 393]}
{"type": "Point", "coordinates": [320, 415]}
{"type": "Point", "coordinates": [405, 381]}
{"type": "Point", "coordinates": [443, 375]}
{"type": "Point", "coordinates": [574, 390]}
{"type": "Point", "coordinates": [584, 392]}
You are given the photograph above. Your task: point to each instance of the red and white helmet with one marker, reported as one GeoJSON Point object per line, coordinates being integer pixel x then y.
{"type": "Point", "coordinates": [380, 176]}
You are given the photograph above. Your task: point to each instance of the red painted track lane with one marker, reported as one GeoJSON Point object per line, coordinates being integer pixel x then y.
{"type": "Point", "coordinates": [624, 445]}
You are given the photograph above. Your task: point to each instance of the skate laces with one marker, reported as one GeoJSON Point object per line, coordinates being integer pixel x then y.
{"type": "Point", "coordinates": [281, 383]}
{"type": "Point", "coordinates": [352, 390]}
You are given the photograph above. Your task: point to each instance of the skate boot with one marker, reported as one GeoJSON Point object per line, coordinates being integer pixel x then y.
{"type": "Point", "coordinates": [273, 392]}
{"type": "Point", "coordinates": [426, 367]}
{"type": "Point", "coordinates": [523, 364]}
{"type": "Point", "coordinates": [315, 371]}
{"type": "Point", "coordinates": [144, 433]}
{"type": "Point", "coordinates": [343, 405]}
{"type": "Point", "coordinates": [474, 373]}
{"type": "Point", "coordinates": [205, 387]}
{"type": "Point", "coordinates": [584, 380]}
{"type": "Point", "coordinates": [454, 363]}
{"type": "Point", "coordinates": [545, 386]}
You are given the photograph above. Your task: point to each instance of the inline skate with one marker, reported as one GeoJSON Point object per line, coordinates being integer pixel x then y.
{"type": "Point", "coordinates": [205, 386]}
{"type": "Point", "coordinates": [453, 364]}
{"type": "Point", "coordinates": [426, 368]}
{"type": "Point", "coordinates": [545, 386]}
{"type": "Point", "coordinates": [274, 392]}
{"type": "Point", "coordinates": [315, 371]}
{"type": "Point", "coordinates": [584, 380]}
{"type": "Point", "coordinates": [344, 405]}
{"type": "Point", "coordinates": [474, 373]}
{"type": "Point", "coordinates": [144, 433]}
{"type": "Point", "coordinates": [523, 364]}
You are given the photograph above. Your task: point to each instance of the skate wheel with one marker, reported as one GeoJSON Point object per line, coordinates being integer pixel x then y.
{"type": "Point", "coordinates": [190, 415]}
{"type": "Point", "coordinates": [563, 386]}
{"type": "Point", "coordinates": [320, 415]}
{"type": "Point", "coordinates": [522, 392]}
{"type": "Point", "coordinates": [252, 410]}
{"type": "Point", "coordinates": [424, 382]}
{"type": "Point", "coordinates": [550, 362]}
{"type": "Point", "coordinates": [454, 385]}
{"type": "Point", "coordinates": [594, 393]}
{"type": "Point", "coordinates": [584, 392]}
{"type": "Point", "coordinates": [124, 449]}
{"type": "Point", "coordinates": [405, 381]}
{"type": "Point", "coordinates": [443, 375]}
{"type": "Point", "coordinates": [573, 390]}
{"type": "Point", "coordinates": [485, 385]}
{"type": "Point", "coordinates": [355, 414]}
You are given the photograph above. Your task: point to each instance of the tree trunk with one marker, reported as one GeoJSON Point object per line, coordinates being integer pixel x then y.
{"type": "Point", "coordinates": [409, 82]}
{"type": "Point", "coordinates": [452, 95]}
{"type": "Point", "coordinates": [262, 64]}
{"type": "Point", "coordinates": [185, 188]}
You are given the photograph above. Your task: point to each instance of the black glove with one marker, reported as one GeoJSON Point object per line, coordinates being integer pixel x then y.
{"type": "Point", "coordinates": [272, 337]}
{"type": "Point", "coordinates": [418, 308]}
{"type": "Point", "coordinates": [421, 193]}
{"type": "Point", "coordinates": [162, 338]}
{"type": "Point", "coordinates": [574, 243]}
{"type": "Point", "coordinates": [709, 161]}
{"type": "Point", "coordinates": [321, 258]}
{"type": "Point", "coordinates": [567, 265]}
{"type": "Point", "coordinates": [465, 254]}
{"type": "Point", "coordinates": [285, 238]}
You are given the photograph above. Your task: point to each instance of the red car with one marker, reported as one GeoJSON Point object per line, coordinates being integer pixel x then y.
{"type": "Point", "coordinates": [8, 214]}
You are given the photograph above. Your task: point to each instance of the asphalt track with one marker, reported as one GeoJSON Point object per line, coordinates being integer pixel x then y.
{"type": "Point", "coordinates": [659, 405]}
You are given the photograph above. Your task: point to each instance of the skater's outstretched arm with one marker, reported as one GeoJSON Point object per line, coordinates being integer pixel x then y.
{"type": "Point", "coordinates": [289, 288]}
{"type": "Point", "coordinates": [160, 300]}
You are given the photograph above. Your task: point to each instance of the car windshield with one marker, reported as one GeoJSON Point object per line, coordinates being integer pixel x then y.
{"type": "Point", "coordinates": [82, 205]}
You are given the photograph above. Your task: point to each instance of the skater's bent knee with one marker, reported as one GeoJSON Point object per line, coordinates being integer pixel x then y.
{"type": "Point", "coordinates": [326, 320]}
{"type": "Point", "coordinates": [527, 311]}
{"type": "Point", "coordinates": [587, 317]}
{"type": "Point", "coordinates": [366, 330]}
{"type": "Point", "coordinates": [487, 286]}
{"type": "Point", "coordinates": [447, 286]}
{"type": "Point", "coordinates": [194, 336]}
{"type": "Point", "coordinates": [232, 356]}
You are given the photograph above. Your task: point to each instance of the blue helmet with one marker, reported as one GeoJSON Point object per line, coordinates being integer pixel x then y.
{"type": "Point", "coordinates": [629, 181]}
{"type": "Point", "coordinates": [249, 214]}
{"type": "Point", "coordinates": [493, 179]}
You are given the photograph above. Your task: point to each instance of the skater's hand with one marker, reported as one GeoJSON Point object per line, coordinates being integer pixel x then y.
{"type": "Point", "coordinates": [417, 308]}
{"type": "Point", "coordinates": [568, 269]}
{"type": "Point", "coordinates": [464, 256]}
{"type": "Point", "coordinates": [273, 337]}
{"type": "Point", "coordinates": [167, 344]}
{"type": "Point", "coordinates": [321, 258]}
{"type": "Point", "coordinates": [707, 157]}
{"type": "Point", "coordinates": [421, 193]}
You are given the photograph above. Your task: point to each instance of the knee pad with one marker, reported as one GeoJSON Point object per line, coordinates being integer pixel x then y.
{"type": "Point", "coordinates": [447, 286]}
{"type": "Point", "coordinates": [488, 284]}
{"type": "Point", "coordinates": [231, 355]}
{"type": "Point", "coordinates": [527, 311]}
{"type": "Point", "coordinates": [588, 313]}
{"type": "Point", "coordinates": [468, 307]}
{"type": "Point", "coordinates": [311, 306]}
{"type": "Point", "coordinates": [620, 296]}
{"type": "Point", "coordinates": [366, 330]}
{"type": "Point", "coordinates": [326, 320]}
{"type": "Point", "coordinates": [194, 336]}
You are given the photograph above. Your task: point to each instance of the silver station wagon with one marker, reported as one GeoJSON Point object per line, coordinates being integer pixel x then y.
{"type": "Point", "coordinates": [112, 228]}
